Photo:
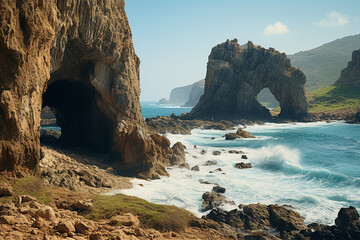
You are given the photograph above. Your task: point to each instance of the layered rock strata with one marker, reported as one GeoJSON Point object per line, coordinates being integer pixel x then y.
{"type": "Point", "coordinates": [351, 74]}
{"type": "Point", "coordinates": [76, 57]}
{"type": "Point", "coordinates": [236, 75]}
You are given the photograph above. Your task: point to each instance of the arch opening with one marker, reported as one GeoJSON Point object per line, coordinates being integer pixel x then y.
{"type": "Point", "coordinates": [267, 99]}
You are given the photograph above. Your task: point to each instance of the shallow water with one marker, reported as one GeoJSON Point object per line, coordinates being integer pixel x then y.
{"type": "Point", "coordinates": [312, 166]}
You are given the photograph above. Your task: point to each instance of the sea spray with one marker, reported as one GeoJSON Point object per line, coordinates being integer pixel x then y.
{"type": "Point", "coordinates": [303, 165]}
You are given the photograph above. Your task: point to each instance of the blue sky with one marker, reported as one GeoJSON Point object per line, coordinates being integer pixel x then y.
{"type": "Point", "coordinates": [173, 38]}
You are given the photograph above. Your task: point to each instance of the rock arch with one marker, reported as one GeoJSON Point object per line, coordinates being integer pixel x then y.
{"type": "Point", "coordinates": [79, 58]}
{"type": "Point", "coordinates": [235, 75]}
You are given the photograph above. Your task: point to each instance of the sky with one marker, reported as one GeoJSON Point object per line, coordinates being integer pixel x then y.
{"type": "Point", "coordinates": [173, 38]}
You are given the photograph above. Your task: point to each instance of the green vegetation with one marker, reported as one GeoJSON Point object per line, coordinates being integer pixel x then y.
{"type": "Point", "coordinates": [32, 186]}
{"type": "Point", "coordinates": [332, 98]}
{"type": "Point", "coordinates": [322, 65]}
{"type": "Point", "coordinates": [151, 215]}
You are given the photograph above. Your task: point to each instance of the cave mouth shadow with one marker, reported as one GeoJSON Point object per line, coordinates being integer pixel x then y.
{"type": "Point", "coordinates": [83, 125]}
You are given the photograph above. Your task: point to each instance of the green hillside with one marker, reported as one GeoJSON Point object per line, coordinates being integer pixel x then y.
{"type": "Point", "coordinates": [334, 98]}
{"type": "Point", "coordinates": [322, 65]}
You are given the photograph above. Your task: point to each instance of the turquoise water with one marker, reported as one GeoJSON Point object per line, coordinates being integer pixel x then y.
{"type": "Point", "coordinates": [315, 167]}
{"type": "Point", "coordinates": [154, 109]}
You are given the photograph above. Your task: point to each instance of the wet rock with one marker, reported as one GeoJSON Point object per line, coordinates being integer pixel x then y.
{"type": "Point", "coordinates": [203, 152]}
{"type": "Point", "coordinates": [210, 163]}
{"type": "Point", "coordinates": [242, 165]}
{"type": "Point", "coordinates": [231, 136]}
{"type": "Point", "coordinates": [244, 134]}
{"type": "Point", "coordinates": [236, 152]}
{"type": "Point", "coordinates": [184, 165]}
{"type": "Point", "coordinates": [346, 216]}
{"type": "Point", "coordinates": [216, 170]}
{"type": "Point", "coordinates": [244, 157]}
{"type": "Point", "coordinates": [195, 168]}
{"type": "Point", "coordinates": [178, 155]}
{"type": "Point", "coordinates": [213, 200]}
{"type": "Point", "coordinates": [218, 189]}
{"type": "Point", "coordinates": [216, 153]}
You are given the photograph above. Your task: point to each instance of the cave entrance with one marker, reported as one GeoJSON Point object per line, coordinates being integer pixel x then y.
{"type": "Point", "coordinates": [268, 100]}
{"type": "Point", "coordinates": [81, 121]}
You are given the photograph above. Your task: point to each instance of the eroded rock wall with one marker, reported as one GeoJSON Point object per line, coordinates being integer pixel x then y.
{"type": "Point", "coordinates": [63, 46]}
{"type": "Point", "coordinates": [235, 75]}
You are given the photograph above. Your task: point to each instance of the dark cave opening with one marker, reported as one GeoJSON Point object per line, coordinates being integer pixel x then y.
{"type": "Point", "coordinates": [81, 121]}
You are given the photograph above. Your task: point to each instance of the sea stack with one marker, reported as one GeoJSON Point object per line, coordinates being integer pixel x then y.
{"type": "Point", "coordinates": [236, 74]}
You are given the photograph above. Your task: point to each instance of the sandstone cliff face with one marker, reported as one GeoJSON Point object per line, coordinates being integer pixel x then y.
{"type": "Point", "coordinates": [76, 57]}
{"type": "Point", "coordinates": [236, 75]}
{"type": "Point", "coordinates": [351, 74]}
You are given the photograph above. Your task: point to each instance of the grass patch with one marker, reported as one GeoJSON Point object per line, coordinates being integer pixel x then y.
{"type": "Point", "coordinates": [32, 186]}
{"type": "Point", "coordinates": [160, 217]}
{"type": "Point", "coordinates": [332, 98]}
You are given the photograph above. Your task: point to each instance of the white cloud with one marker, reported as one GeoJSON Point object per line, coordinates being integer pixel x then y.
{"type": "Point", "coordinates": [276, 28]}
{"type": "Point", "coordinates": [333, 19]}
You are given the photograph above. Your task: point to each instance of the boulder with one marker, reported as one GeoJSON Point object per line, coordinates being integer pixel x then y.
{"type": "Point", "coordinates": [195, 168]}
{"type": "Point", "coordinates": [216, 153]}
{"type": "Point", "coordinates": [242, 165]}
{"type": "Point", "coordinates": [210, 163]}
{"type": "Point", "coordinates": [127, 219]}
{"type": "Point", "coordinates": [284, 219]}
{"type": "Point", "coordinates": [235, 75]}
{"type": "Point", "coordinates": [178, 156]}
{"type": "Point", "coordinates": [346, 216]}
{"type": "Point", "coordinates": [46, 212]}
{"type": "Point", "coordinates": [244, 134]}
{"type": "Point", "coordinates": [213, 200]}
{"type": "Point", "coordinates": [203, 152]}
{"type": "Point", "coordinates": [81, 227]}
{"type": "Point", "coordinates": [65, 226]}
{"type": "Point", "coordinates": [244, 157]}
{"type": "Point", "coordinates": [231, 136]}
{"type": "Point", "coordinates": [6, 190]}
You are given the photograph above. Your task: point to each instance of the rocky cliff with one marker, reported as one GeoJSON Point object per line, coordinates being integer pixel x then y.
{"type": "Point", "coordinates": [351, 74]}
{"type": "Point", "coordinates": [197, 90]}
{"type": "Point", "coordinates": [236, 75]}
{"type": "Point", "coordinates": [76, 57]}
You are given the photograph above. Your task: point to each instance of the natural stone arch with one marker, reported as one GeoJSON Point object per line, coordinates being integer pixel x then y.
{"type": "Point", "coordinates": [48, 47]}
{"type": "Point", "coordinates": [235, 75]}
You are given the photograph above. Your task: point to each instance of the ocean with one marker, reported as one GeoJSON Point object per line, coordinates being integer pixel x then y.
{"type": "Point", "coordinates": [314, 167]}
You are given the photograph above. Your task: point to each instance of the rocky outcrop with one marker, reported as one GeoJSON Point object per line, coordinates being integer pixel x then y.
{"type": "Point", "coordinates": [239, 134]}
{"type": "Point", "coordinates": [351, 74]}
{"type": "Point", "coordinates": [235, 76]}
{"type": "Point", "coordinates": [77, 58]}
{"type": "Point", "coordinates": [197, 90]}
